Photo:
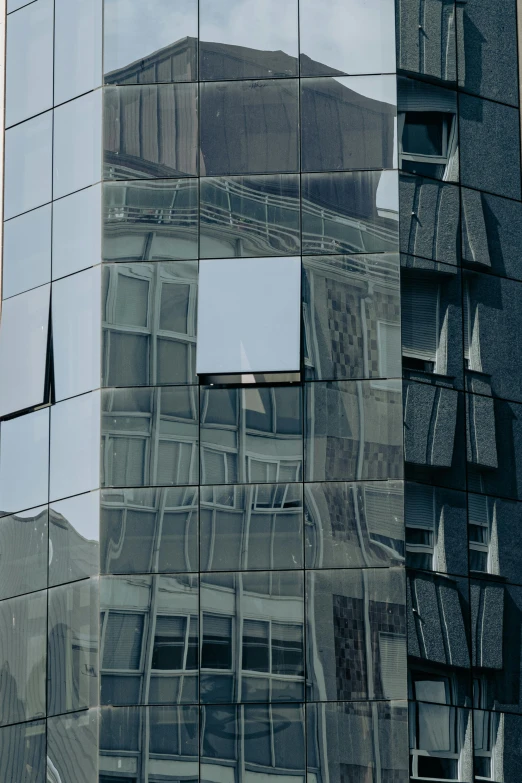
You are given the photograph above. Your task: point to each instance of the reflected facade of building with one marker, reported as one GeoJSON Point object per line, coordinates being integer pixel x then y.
{"type": "Point", "coordinates": [297, 576]}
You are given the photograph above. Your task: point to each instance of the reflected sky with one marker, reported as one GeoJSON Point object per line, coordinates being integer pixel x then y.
{"type": "Point", "coordinates": [251, 23]}
{"type": "Point", "coordinates": [135, 30]}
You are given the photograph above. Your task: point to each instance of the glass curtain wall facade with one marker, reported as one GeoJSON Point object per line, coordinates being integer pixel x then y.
{"type": "Point", "coordinates": [274, 537]}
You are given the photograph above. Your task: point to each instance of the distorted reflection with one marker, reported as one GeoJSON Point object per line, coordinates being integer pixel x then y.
{"type": "Point", "coordinates": [356, 643]}
{"type": "Point", "coordinates": [258, 741]}
{"type": "Point", "coordinates": [22, 752]}
{"type": "Point", "coordinates": [72, 664]}
{"type": "Point", "coordinates": [346, 741]}
{"type": "Point", "coordinates": [354, 525]}
{"type": "Point", "coordinates": [252, 637]}
{"type": "Point", "coordinates": [348, 123]}
{"type": "Point", "coordinates": [251, 435]}
{"type": "Point", "coordinates": [149, 323]}
{"type": "Point", "coordinates": [72, 748]}
{"type": "Point", "coordinates": [23, 629]}
{"type": "Point", "coordinates": [150, 437]}
{"type": "Point", "coordinates": [351, 315]}
{"type": "Point", "coordinates": [353, 212]}
{"type": "Point", "coordinates": [149, 649]}
{"type": "Point", "coordinates": [138, 141]}
{"type": "Point", "coordinates": [251, 527]}
{"type": "Point", "coordinates": [138, 45]}
{"type": "Point", "coordinates": [73, 538]}
{"type": "Point", "coordinates": [145, 743]}
{"type": "Point", "coordinates": [149, 530]}
{"type": "Point", "coordinates": [23, 552]}
{"type": "Point", "coordinates": [353, 430]}
{"type": "Point", "coordinates": [261, 135]}
{"type": "Point", "coordinates": [150, 221]}
{"type": "Point", "coordinates": [249, 216]}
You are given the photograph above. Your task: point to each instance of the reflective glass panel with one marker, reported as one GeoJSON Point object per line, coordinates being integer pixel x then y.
{"type": "Point", "coordinates": [77, 144]}
{"type": "Point", "coordinates": [150, 639]}
{"type": "Point", "coordinates": [150, 437]}
{"type": "Point", "coordinates": [348, 123]}
{"type": "Point", "coordinates": [239, 332]}
{"type": "Point", "coordinates": [22, 752]}
{"type": "Point", "coordinates": [368, 603]}
{"type": "Point", "coordinates": [27, 252]}
{"type": "Point", "coordinates": [239, 40]}
{"type": "Point", "coordinates": [249, 127]}
{"type": "Point", "coordinates": [269, 736]}
{"type": "Point", "coordinates": [490, 146]}
{"type": "Point", "coordinates": [28, 165]}
{"type": "Point", "coordinates": [73, 625]}
{"type": "Point", "coordinates": [77, 48]}
{"type": "Point", "coordinates": [149, 323]}
{"type": "Point", "coordinates": [150, 131]}
{"type": "Point", "coordinates": [270, 447]}
{"type": "Point", "coordinates": [23, 552]}
{"type": "Point", "coordinates": [338, 300]}
{"type": "Point", "coordinates": [353, 430]}
{"type": "Point", "coordinates": [151, 42]}
{"type": "Point", "coordinates": [13, 5]}
{"type": "Point", "coordinates": [354, 525]}
{"type": "Point", "coordinates": [350, 212]}
{"type": "Point", "coordinates": [353, 37]}
{"type": "Point", "coordinates": [76, 334]}
{"type": "Point", "coordinates": [75, 446]}
{"type": "Point", "coordinates": [340, 739]}
{"type": "Point", "coordinates": [251, 527]}
{"type": "Point", "coordinates": [72, 747]}
{"type": "Point", "coordinates": [73, 538]}
{"type": "Point", "coordinates": [249, 216]}
{"type": "Point", "coordinates": [172, 744]}
{"type": "Point", "coordinates": [150, 221]}
{"type": "Point", "coordinates": [23, 623]}
{"type": "Point", "coordinates": [149, 530]}
{"type": "Point", "coordinates": [24, 462]}
{"type": "Point", "coordinates": [23, 350]}
{"type": "Point", "coordinates": [434, 450]}
{"type": "Point", "coordinates": [29, 62]}
{"type": "Point", "coordinates": [76, 232]}
{"type": "Point", "coordinates": [262, 657]}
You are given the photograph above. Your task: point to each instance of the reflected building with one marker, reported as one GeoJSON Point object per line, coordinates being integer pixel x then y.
{"type": "Point", "coordinates": [259, 433]}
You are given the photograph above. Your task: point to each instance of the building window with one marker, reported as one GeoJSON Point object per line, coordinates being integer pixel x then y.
{"type": "Point", "coordinates": [428, 141]}
{"type": "Point", "coordinates": [479, 535]}
{"type": "Point", "coordinates": [216, 651]}
{"type": "Point", "coordinates": [273, 647]}
{"type": "Point", "coordinates": [420, 300]}
{"type": "Point", "coordinates": [385, 519]}
{"type": "Point", "coordinates": [419, 513]}
{"type": "Point", "coordinates": [175, 643]}
{"type": "Point", "coordinates": [485, 726]}
{"type": "Point", "coordinates": [122, 638]}
{"type": "Point", "coordinates": [433, 729]}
